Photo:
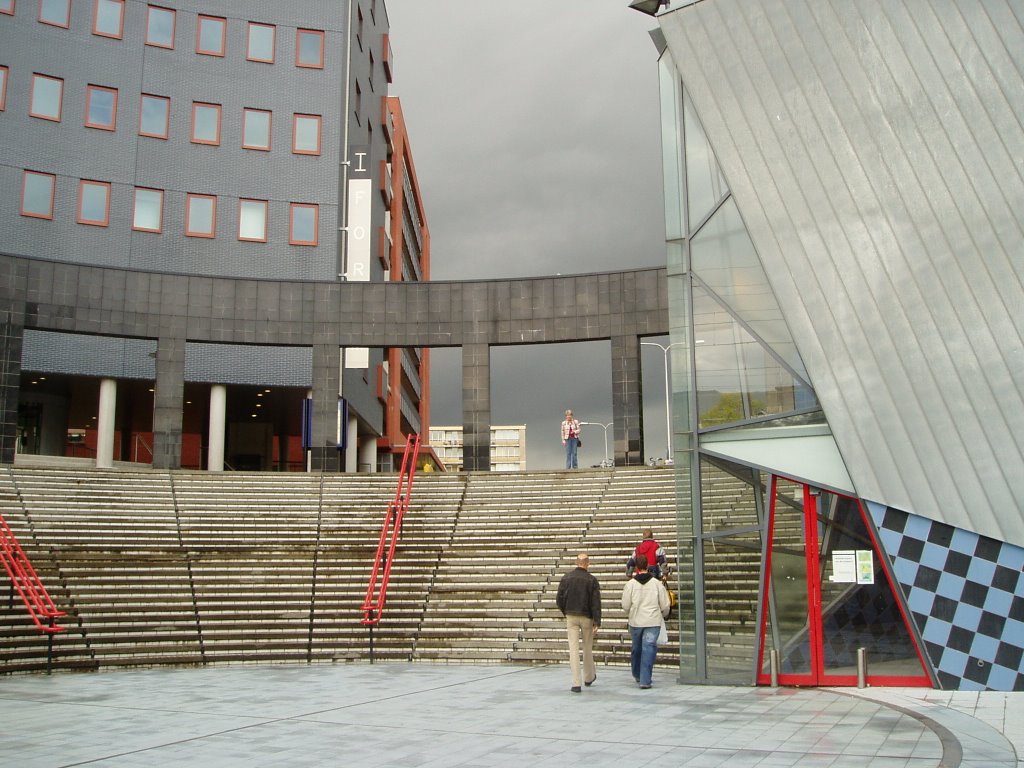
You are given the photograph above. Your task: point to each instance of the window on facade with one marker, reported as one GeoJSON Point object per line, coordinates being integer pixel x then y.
{"type": "Point", "coordinates": [309, 48]}
{"type": "Point", "coordinates": [306, 135]}
{"type": "Point", "coordinates": [101, 107]}
{"type": "Point", "coordinates": [37, 194]}
{"type": "Point", "coordinates": [160, 27]}
{"type": "Point", "coordinates": [7, 7]}
{"type": "Point", "coordinates": [261, 42]}
{"type": "Point", "coordinates": [256, 129]}
{"type": "Point", "coordinates": [55, 12]}
{"type": "Point", "coordinates": [94, 203]}
{"type": "Point", "coordinates": [147, 215]}
{"type": "Point", "coordinates": [205, 123]}
{"type": "Point", "coordinates": [108, 19]}
{"type": "Point", "coordinates": [200, 215]}
{"type": "Point", "coordinates": [211, 35]}
{"type": "Point", "coordinates": [3, 88]}
{"type": "Point", "coordinates": [252, 220]}
{"type": "Point", "coordinates": [304, 224]}
{"type": "Point", "coordinates": [154, 116]}
{"type": "Point", "coordinates": [47, 95]}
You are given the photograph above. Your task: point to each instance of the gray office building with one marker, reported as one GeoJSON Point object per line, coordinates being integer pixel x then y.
{"type": "Point", "coordinates": [227, 139]}
{"type": "Point", "coordinates": [845, 224]}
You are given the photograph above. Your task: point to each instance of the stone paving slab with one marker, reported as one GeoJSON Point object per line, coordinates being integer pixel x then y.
{"type": "Point", "coordinates": [433, 716]}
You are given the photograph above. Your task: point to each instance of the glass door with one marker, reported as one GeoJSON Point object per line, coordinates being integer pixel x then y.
{"type": "Point", "coordinates": [828, 595]}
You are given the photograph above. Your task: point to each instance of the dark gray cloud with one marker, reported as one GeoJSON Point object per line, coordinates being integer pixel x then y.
{"type": "Point", "coordinates": [535, 132]}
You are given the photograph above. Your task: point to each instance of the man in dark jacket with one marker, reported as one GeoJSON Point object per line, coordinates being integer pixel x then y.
{"type": "Point", "coordinates": [579, 600]}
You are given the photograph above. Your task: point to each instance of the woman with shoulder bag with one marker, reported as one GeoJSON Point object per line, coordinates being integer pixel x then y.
{"type": "Point", "coordinates": [646, 601]}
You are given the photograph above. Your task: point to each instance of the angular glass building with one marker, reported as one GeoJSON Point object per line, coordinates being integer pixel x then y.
{"type": "Point", "coordinates": [845, 223]}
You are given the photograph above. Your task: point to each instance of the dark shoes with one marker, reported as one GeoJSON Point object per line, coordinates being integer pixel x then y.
{"type": "Point", "coordinates": [644, 687]}
{"type": "Point", "coordinates": [576, 689]}
{"type": "Point", "coordinates": [590, 682]}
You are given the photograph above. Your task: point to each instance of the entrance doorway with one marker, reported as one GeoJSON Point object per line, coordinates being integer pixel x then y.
{"type": "Point", "coordinates": [828, 594]}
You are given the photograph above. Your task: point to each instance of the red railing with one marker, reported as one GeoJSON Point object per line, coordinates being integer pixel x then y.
{"type": "Point", "coordinates": [26, 583]}
{"type": "Point", "coordinates": [376, 591]}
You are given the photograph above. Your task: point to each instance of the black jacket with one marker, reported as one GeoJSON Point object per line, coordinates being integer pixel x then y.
{"type": "Point", "coordinates": [580, 594]}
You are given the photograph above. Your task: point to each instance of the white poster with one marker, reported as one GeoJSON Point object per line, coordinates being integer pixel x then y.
{"type": "Point", "coordinates": [844, 566]}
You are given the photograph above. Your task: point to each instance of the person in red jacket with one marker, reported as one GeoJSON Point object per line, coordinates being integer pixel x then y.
{"type": "Point", "coordinates": [655, 554]}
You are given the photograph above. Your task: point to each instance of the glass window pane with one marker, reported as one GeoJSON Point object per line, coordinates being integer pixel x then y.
{"type": "Point", "coordinates": [704, 181]}
{"type": "Point", "coordinates": [93, 203]}
{"type": "Point", "coordinates": [310, 48]}
{"type": "Point", "coordinates": [46, 97]}
{"type": "Point", "coordinates": [102, 107]}
{"type": "Point", "coordinates": [37, 197]}
{"type": "Point", "coordinates": [7, 6]}
{"type": "Point", "coordinates": [206, 123]}
{"type": "Point", "coordinates": [148, 209]}
{"type": "Point", "coordinates": [210, 36]}
{"type": "Point", "coordinates": [160, 27]}
{"type": "Point", "coordinates": [256, 129]}
{"type": "Point", "coordinates": [153, 120]}
{"type": "Point", "coordinates": [3, 88]}
{"type": "Point", "coordinates": [307, 134]}
{"type": "Point", "coordinates": [723, 257]}
{"type": "Point", "coordinates": [55, 12]}
{"type": "Point", "coordinates": [261, 42]}
{"type": "Point", "coordinates": [201, 216]}
{"type": "Point", "coordinates": [109, 15]}
{"type": "Point", "coordinates": [303, 224]}
{"type": "Point", "coordinates": [252, 220]}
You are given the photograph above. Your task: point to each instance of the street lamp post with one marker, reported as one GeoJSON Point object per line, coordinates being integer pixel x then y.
{"type": "Point", "coordinates": [607, 462]}
{"type": "Point", "coordinates": [668, 392]}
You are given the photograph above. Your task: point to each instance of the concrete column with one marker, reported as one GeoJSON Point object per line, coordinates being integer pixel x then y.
{"type": "Point", "coordinates": [218, 416]}
{"type": "Point", "coordinates": [627, 409]}
{"type": "Point", "coordinates": [168, 402]}
{"type": "Point", "coordinates": [476, 407]}
{"type": "Point", "coordinates": [352, 451]}
{"type": "Point", "coordinates": [105, 424]}
{"type": "Point", "coordinates": [326, 385]}
{"type": "Point", "coordinates": [367, 456]}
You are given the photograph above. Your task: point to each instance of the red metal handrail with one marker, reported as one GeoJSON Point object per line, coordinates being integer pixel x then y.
{"type": "Point", "coordinates": [26, 582]}
{"type": "Point", "coordinates": [376, 591]}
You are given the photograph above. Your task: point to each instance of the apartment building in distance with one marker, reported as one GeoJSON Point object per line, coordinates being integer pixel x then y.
{"type": "Point", "coordinates": [226, 139]}
{"type": "Point", "coordinates": [508, 447]}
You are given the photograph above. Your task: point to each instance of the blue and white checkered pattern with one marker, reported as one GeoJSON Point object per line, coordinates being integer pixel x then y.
{"type": "Point", "coordinates": [966, 595]}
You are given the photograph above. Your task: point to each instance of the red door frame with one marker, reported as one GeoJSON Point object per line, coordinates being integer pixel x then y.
{"type": "Point", "coordinates": [817, 675]}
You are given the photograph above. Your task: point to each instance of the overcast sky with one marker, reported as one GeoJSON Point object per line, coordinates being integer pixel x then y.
{"type": "Point", "coordinates": [535, 133]}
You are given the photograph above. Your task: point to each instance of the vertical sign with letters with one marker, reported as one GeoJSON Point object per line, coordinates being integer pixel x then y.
{"type": "Point", "coordinates": [360, 227]}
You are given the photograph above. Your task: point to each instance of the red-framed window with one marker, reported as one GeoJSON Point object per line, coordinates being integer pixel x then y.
{"type": "Point", "coordinates": [47, 97]}
{"type": "Point", "coordinates": [309, 48]}
{"type": "Point", "coordinates": [57, 13]}
{"type": "Point", "coordinates": [306, 134]}
{"type": "Point", "coordinates": [154, 116]}
{"type": "Point", "coordinates": [256, 129]}
{"type": "Point", "coordinates": [93, 203]}
{"type": "Point", "coordinates": [303, 224]}
{"type": "Point", "coordinates": [200, 215]}
{"type": "Point", "coordinates": [108, 19]}
{"type": "Point", "coordinates": [160, 23]}
{"type": "Point", "coordinates": [252, 220]}
{"type": "Point", "coordinates": [261, 42]}
{"type": "Point", "coordinates": [37, 191]}
{"type": "Point", "coordinates": [211, 35]}
{"type": "Point", "coordinates": [148, 210]}
{"type": "Point", "coordinates": [7, 7]}
{"type": "Point", "coordinates": [101, 107]}
{"type": "Point", "coordinates": [205, 123]}
{"type": "Point", "coordinates": [3, 88]}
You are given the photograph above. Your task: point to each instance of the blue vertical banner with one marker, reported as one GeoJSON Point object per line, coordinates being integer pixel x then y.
{"type": "Point", "coordinates": [307, 424]}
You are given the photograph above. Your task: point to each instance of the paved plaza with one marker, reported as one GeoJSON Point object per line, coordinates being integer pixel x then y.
{"type": "Point", "coordinates": [433, 716]}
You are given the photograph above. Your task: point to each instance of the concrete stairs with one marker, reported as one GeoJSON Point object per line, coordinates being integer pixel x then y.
{"type": "Point", "coordinates": [197, 568]}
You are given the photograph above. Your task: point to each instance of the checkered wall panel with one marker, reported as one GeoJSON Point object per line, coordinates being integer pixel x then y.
{"type": "Point", "coordinates": [966, 595]}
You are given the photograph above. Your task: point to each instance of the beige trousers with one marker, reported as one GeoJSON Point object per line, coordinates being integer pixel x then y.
{"type": "Point", "coordinates": [580, 630]}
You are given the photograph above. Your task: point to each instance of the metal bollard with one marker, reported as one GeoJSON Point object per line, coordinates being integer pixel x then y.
{"type": "Point", "coordinates": [862, 667]}
{"type": "Point", "coordinates": [773, 661]}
